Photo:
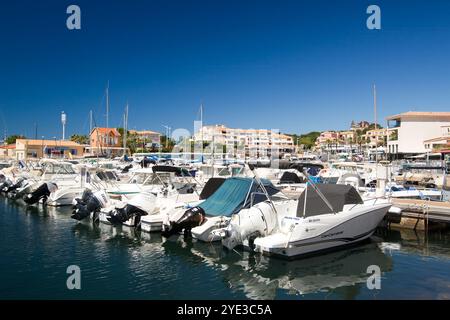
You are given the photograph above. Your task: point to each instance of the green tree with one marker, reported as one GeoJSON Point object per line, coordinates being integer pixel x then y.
{"type": "Point", "coordinates": [308, 139]}
{"type": "Point", "coordinates": [12, 139]}
{"type": "Point", "coordinates": [166, 147]}
{"type": "Point", "coordinates": [81, 139]}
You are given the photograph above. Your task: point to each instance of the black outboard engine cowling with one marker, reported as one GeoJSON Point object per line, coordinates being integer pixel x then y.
{"type": "Point", "coordinates": [192, 218]}
{"type": "Point", "coordinates": [5, 185]}
{"type": "Point", "coordinates": [120, 215]}
{"type": "Point", "coordinates": [13, 187]}
{"type": "Point", "coordinates": [127, 168]}
{"type": "Point", "coordinates": [40, 193]}
{"type": "Point", "coordinates": [85, 206]}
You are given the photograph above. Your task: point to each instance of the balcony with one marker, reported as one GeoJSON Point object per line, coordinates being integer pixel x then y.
{"type": "Point", "coordinates": [394, 123]}
{"type": "Point", "coordinates": [393, 135]}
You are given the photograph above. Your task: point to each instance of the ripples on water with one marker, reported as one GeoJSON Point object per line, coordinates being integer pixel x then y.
{"type": "Point", "coordinates": [38, 244]}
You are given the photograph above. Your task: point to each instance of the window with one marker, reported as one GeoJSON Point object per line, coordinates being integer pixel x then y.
{"type": "Point", "coordinates": [394, 123]}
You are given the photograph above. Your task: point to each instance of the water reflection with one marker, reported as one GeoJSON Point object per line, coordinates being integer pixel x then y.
{"type": "Point", "coordinates": [121, 262]}
{"type": "Point", "coordinates": [260, 277]}
{"type": "Point", "coordinates": [343, 273]}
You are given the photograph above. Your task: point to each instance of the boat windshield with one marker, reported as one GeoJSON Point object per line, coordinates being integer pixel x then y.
{"type": "Point", "coordinates": [58, 168]}
{"type": "Point", "coordinates": [151, 178]}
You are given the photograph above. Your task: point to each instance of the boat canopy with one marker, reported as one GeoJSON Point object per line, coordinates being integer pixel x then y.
{"type": "Point", "coordinates": [210, 187]}
{"type": "Point", "coordinates": [177, 170]}
{"type": "Point", "coordinates": [311, 168]}
{"type": "Point", "coordinates": [337, 195]}
{"type": "Point", "coordinates": [235, 194]}
{"type": "Point", "coordinates": [290, 177]}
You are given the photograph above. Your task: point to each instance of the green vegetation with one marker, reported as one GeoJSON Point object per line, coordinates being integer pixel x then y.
{"type": "Point", "coordinates": [81, 139]}
{"type": "Point", "coordinates": [12, 139]}
{"type": "Point", "coordinates": [307, 140]}
{"type": "Point", "coordinates": [370, 127]}
{"type": "Point", "coordinates": [393, 136]}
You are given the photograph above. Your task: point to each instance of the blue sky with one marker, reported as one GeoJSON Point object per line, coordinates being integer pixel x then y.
{"type": "Point", "coordinates": [296, 66]}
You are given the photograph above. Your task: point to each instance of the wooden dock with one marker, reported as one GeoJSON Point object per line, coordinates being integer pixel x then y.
{"type": "Point", "coordinates": [420, 214]}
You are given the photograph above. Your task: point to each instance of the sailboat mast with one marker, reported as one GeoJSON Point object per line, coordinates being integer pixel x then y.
{"type": "Point", "coordinates": [90, 121]}
{"type": "Point", "coordinates": [201, 127]}
{"type": "Point", "coordinates": [107, 105]}
{"type": "Point", "coordinates": [125, 129]}
{"type": "Point", "coordinates": [376, 125]}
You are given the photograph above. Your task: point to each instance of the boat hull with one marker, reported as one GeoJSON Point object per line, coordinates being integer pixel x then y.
{"type": "Point", "coordinates": [342, 233]}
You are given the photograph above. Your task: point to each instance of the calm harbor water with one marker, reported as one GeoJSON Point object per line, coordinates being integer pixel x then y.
{"type": "Point", "coordinates": [38, 244]}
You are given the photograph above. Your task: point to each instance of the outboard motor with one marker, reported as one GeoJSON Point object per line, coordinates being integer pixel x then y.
{"type": "Point", "coordinates": [13, 187]}
{"type": "Point", "coordinates": [40, 193]}
{"type": "Point", "coordinates": [140, 205]}
{"type": "Point", "coordinates": [4, 187]}
{"type": "Point", "coordinates": [120, 215]}
{"type": "Point", "coordinates": [127, 168]}
{"type": "Point", "coordinates": [259, 221]}
{"type": "Point", "coordinates": [89, 203]}
{"type": "Point", "coordinates": [5, 183]}
{"type": "Point", "coordinates": [192, 218]}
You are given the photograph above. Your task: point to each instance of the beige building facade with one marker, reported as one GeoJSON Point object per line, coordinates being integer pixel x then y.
{"type": "Point", "coordinates": [31, 148]}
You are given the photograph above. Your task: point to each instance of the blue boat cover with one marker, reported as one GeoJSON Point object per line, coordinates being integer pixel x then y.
{"type": "Point", "coordinates": [229, 198]}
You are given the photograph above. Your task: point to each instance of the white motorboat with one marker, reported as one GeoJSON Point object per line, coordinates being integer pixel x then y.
{"type": "Point", "coordinates": [234, 195]}
{"type": "Point", "coordinates": [172, 203]}
{"type": "Point", "coordinates": [96, 179]}
{"type": "Point", "coordinates": [327, 217]}
{"type": "Point", "coordinates": [397, 191]}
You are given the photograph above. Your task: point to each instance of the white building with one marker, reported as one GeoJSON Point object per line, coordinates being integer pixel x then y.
{"type": "Point", "coordinates": [408, 131]}
{"type": "Point", "coordinates": [254, 142]}
{"type": "Point", "coordinates": [440, 142]}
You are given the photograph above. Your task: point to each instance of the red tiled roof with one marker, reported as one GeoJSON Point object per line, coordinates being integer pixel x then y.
{"type": "Point", "coordinates": [107, 131]}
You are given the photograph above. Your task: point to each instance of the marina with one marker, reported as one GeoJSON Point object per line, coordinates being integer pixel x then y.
{"type": "Point", "coordinates": [224, 150]}
{"type": "Point", "coordinates": [119, 263]}
{"type": "Point", "coordinates": [276, 230]}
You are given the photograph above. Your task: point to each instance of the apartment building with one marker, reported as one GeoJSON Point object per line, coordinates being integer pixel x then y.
{"type": "Point", "coordinates": [375, 137]}
{"type": "Point", "coordinates": [410, 133]}
{"type": "Point", "coordinates": [347, 136]}
{"type": "Point", "coordinates": [326, 138]}
{"type": "Point", "coordinates": [437, 144]}
{"type": "Point", "coordinates": [254, 142]}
